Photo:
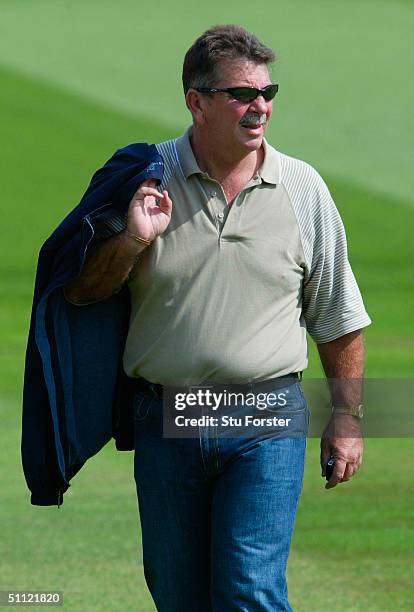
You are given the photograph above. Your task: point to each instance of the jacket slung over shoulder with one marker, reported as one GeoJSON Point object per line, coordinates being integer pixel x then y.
{"type": "Point", "coordinates": [76, 396]}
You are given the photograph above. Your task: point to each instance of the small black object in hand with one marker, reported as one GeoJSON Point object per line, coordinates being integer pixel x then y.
{"type": "Point", "coordinates": [329, 467]}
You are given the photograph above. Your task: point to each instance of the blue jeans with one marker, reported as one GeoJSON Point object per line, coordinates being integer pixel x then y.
{"type": "Point", "coordinates": [217, 513]}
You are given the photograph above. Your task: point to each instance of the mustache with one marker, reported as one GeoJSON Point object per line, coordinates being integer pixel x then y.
{"type": "Point", "coordinates": [253, 118]}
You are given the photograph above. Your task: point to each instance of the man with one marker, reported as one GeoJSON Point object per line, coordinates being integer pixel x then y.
{"type": "Point", "coordinates": [228, 263]}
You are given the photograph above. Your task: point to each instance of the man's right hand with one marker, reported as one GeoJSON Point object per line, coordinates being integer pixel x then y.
{"type": "Point", "coordinates": [147, 219]}
{"type": "Point", "coordinates": [107, 268]}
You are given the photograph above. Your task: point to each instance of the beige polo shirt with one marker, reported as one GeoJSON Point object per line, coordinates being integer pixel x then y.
{"type": "Point", "coordinates": [228, 293]}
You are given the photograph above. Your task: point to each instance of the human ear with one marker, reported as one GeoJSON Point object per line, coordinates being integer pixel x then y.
{"type": "Point", "coordinates": [196, 104]}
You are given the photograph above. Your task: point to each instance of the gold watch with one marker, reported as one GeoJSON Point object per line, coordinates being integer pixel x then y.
{"type": "Point", "coordinates": [355, 411]}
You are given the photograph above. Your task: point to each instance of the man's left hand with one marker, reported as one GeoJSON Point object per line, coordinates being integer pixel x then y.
{"type": "Point", "coordinates": [342, 438]}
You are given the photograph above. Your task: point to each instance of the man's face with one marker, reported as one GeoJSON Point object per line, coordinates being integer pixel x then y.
{"type": "Point", "coordinates": [236, 126]}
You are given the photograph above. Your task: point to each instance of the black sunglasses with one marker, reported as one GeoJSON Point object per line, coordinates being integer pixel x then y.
{"type": "Point", "coordinates": [244, 94]}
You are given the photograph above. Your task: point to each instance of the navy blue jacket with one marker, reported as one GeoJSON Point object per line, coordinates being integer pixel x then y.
{"type": "Point", "coordinates": [76, 395]}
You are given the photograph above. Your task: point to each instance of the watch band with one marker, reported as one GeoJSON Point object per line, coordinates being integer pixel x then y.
{"type": "Point", "coordinates": [355, 411]}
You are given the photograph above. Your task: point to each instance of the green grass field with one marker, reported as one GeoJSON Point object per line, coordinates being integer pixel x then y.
{"type": "Point", "coordinates": [77, 81]}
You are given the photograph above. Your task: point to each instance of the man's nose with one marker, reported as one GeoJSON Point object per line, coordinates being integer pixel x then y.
{"type": "Point", "coordinates": [259, 105]}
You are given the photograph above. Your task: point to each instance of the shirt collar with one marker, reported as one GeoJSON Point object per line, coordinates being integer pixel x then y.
{"type": "Point", "coordinates": [186, 155]}
{"type": "Point", "coordinates": [269, 171]}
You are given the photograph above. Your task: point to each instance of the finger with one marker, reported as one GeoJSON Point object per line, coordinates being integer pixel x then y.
{"type": "Point", "coordinates": [149, 183]}
{"type": "Point", "coordinates": [337, 475]}
{"type": "Point", "coordinates": [148, 191]}
{"type": "Point", "coordinates": [349, 471]}
{"type": "Point", "coordinates": [166, 203]}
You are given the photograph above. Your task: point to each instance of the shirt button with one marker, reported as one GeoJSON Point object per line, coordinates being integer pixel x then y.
{"type": "Point", "coordinates": [213, 194]}
{"type": "Point", "coordinates": [220, 215]}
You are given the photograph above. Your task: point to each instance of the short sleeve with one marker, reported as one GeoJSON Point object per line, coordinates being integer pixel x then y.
{"type": "Point", "coordinates": [332, 302]}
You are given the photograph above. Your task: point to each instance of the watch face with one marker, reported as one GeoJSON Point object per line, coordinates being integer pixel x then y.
{"type": "Point", "coordinates": [357, 411]}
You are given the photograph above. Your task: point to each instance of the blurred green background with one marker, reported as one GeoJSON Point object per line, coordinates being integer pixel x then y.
{"type": "Point", "coordinates": [79, 79]}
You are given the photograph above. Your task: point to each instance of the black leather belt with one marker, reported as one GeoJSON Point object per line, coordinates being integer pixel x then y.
{"type": "Point", "coordinates": [264, 386]}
